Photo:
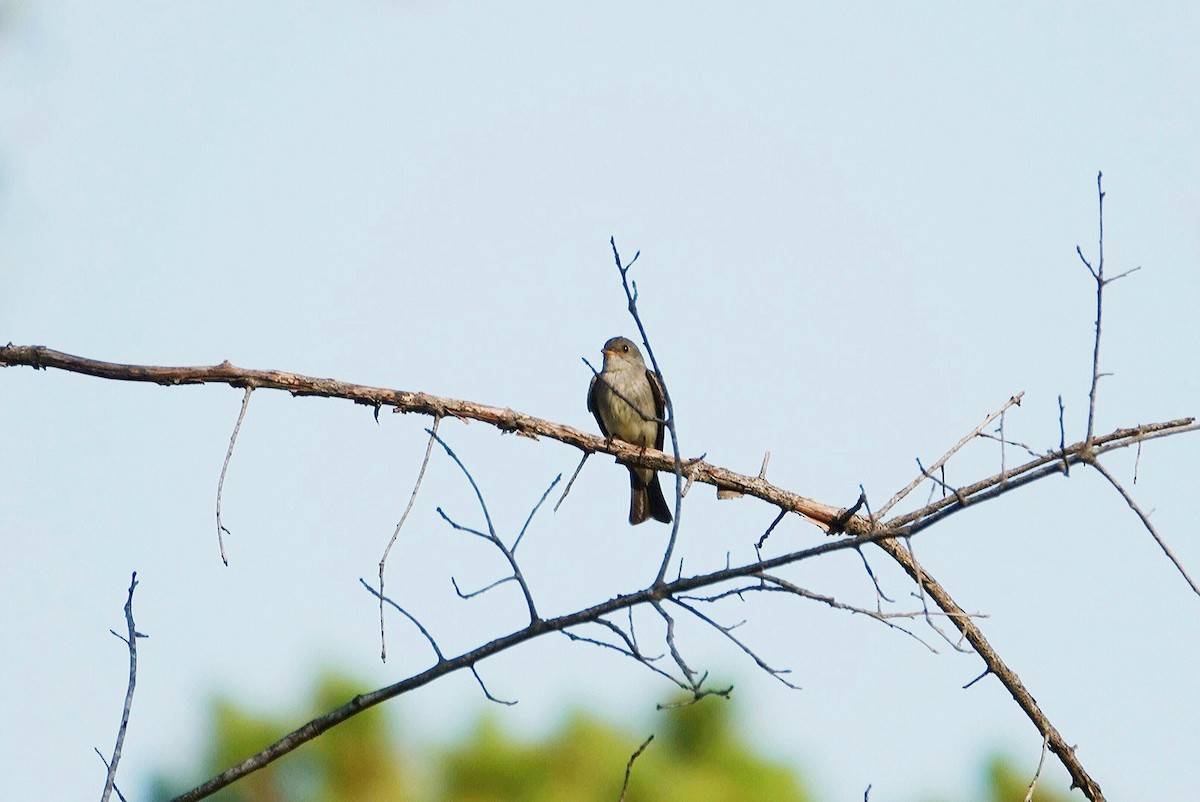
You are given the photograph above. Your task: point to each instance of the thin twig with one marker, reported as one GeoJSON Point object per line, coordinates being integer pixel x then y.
{"type": "Point", "coordinates": [131, 642]}
{"type": "Point", "coordinates": [968, 437]}
{"type": "Point", "coordinates": [571, 481]}
{"type": "Point", "coordinates": [437, 651]}
{"type": "Point", "coordinates": [1145, 519]}
{"type": "Point", "coordinates": [727, 631]}
{"type": "Point", "coordinates": [1098, 275]}
{"type": "Point", "coordinates": [533, 512]}
{"type": "Point", "coordinates": [396, 533]}
{"type": "Point", "coordinates": [1038, 773]}
{"type": "Point", "coordinates": [629, 766]}
{"type": "Point", "coordinates": [491, 533]}
{"type": "Point", "coordinates": [770, 529]}
{"type": "Point", "coordinates": [224, 467]}
{"type": "Point", "coordinates": [486, 692]}
{"type": "Point", "coordinates": [631, 297]}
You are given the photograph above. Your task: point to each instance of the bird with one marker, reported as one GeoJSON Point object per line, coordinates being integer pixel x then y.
{"type": "Point", "coordinates": [629, 404]}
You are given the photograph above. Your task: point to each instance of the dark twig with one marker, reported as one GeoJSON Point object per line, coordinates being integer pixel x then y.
{"type": "Point", "coordinates": [880, 596]}
{"type": "Point", "coordinates": [464, 594]}
{"type": "Point", "coordinates": [884, 618]}
{"type": "Point", "coordinates": [629, 766]}
{"type": "Point", "coordinates": [727, 631]}
{"type": "Point", "coordinates": [433, 644]}
{"type": "Point", "coordinates": [396, 533]}
{"type": "Point", "coordinates": [1004, 441]}
{"type": "Point", "coordinates": [571, 481]}
{"type": "Point", "coordinates": [131, 643]}
{"type": "Point", "coordinates": [221, 530]}
{"type": "Point", "coordinates": [630, 650]}
{"type": "Point", "coordinates": [986, 671]}
{"type": "Point", "coordinates": [770, 529]}
{"type": "Point", "coordinates": [486, 692]}
{"type": "Point", "coordinates": [533, 512]}
{"type": "Point", "coordinates": [688, 674]}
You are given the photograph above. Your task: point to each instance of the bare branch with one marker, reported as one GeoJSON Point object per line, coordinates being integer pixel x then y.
{"type": "Point", "coordinates": [676, 655]}
{"type": "Point", "coordinates": [677, 466]}
{"type": "Point", "coordinates": [1145, 519]}
{"type": "Point", "coordinates": [1098, 274]}
{"type": "Point", "coordinates": [1038, 773]}
{"type": "Point", "coordinates": [571, 481]}
{"type": "Point", "coordinates": [441, 657]}
{"type": "Point", "coordinates": [533, 512]}
{"type": "Point", "coordinates": [1012, 683]}
{"type": "Point", "coordinates": [131, 643]}
{"type": "Point", "coordinates": [880, 596]}
{"type": "Point", "coordinates": [396, 533]}
{"type": "Point", "coordinates": [818, 513]}
{"type": "Point", "coordinates": [1053, 462]}
{"type": "Point", "coordinates": [491, 533]}
{"type": "Point", "coordinates": [486, 692]}
{"type": "Point", "coordinates": [727, 631]}
{"type": "Point", "coordinates": [629, 766]}
{"type": "Point", "coordinates": [881, 617]}
{"type": "Point", "coordinates": [968, 437]}
{"type": "Point", "coordinates": [770, 529]}
{"type": "Point", "coordinates": [630, 650]}
{"type": "Point", "coordinates": [224, 467]}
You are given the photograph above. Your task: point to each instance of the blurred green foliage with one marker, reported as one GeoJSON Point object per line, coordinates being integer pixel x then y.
{"type": "Point", "coordinates": [697, 755]}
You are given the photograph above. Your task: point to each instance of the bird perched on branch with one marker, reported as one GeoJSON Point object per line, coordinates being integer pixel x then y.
{"type": "Point", "coordinates": [629, 404]}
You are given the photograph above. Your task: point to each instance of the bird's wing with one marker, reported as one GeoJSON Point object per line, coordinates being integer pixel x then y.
{"type": "Point", "coordinates": [660, 406]}
{"type": "Point", "coordinates": [594, 405]}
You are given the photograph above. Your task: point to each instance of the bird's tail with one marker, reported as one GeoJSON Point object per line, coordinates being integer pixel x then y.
{"type": "Point", "coordinates": [646, 500]}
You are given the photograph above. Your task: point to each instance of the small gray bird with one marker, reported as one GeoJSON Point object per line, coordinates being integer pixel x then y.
{"type": "Point", "coordinates": [629, 404]}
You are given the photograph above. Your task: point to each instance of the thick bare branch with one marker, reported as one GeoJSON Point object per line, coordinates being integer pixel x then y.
{"type": "Point", "coordinates": [1012, 683]}
{"type": "Point", "coordinates": [825, 516]}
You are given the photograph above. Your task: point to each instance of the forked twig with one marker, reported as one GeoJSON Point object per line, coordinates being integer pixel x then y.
{"type": "Point", "coordinates": [130, 640]}
{"type": "Point", "coordinates": [927, 472]}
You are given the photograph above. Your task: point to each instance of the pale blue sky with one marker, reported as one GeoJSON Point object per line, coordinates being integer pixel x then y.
{"type": "Point", "coordinates": [857, 228]}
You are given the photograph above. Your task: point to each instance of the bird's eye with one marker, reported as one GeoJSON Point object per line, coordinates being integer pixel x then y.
{"type": "Point", "coordinates": [625, 348]}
